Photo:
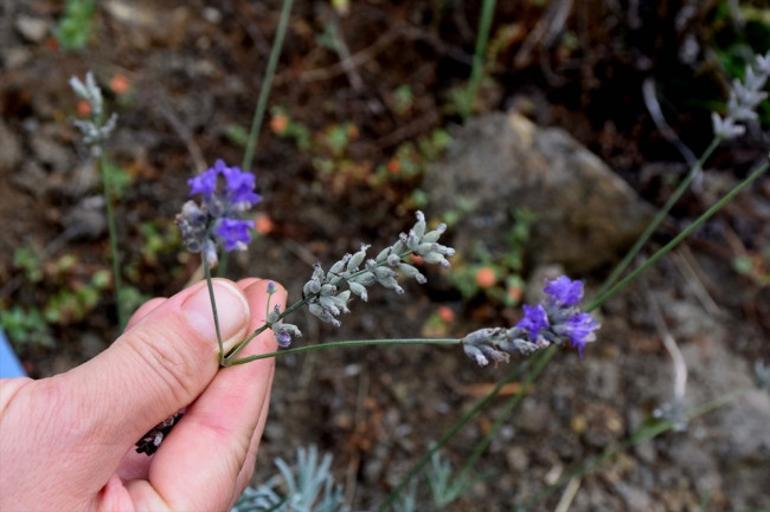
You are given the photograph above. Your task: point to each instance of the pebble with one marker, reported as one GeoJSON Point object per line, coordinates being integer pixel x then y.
{"type": "Point", "coordinates": [32, 29]}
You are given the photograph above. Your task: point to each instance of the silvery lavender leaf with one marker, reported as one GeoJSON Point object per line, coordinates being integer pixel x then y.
{"type": "Point", "coordinates": [763, 64]}
{"type": "Point", "coordinates": [305, 486]}
{"type": "Point", "coordinates": [726, 128]}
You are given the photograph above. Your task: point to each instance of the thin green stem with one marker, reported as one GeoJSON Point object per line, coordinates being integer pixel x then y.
{"type": "Point", "coordinates": [644, 433]}
{"type": "Point", "coordinates": [264, 91]}
{"type": "Point", "coordinates": [479, 55]}
{"type": "Point", "coordinates": [348, 344]}
{"type": "Point", "coordinates": [450, 433]}
{"type": "Point", "coordinates": [113, 232]}
{"type": "Point", "coordinates": [228, 360]}
{"type": "Point", "coordinates": [210, 286]}
{"type": "Point", "coordinates": [660, 216]}
{"type": "Point", "coordinates": [602, 297]}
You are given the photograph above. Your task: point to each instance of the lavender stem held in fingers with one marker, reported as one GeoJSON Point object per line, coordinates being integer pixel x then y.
{"type": "Point", "coordinates": [328, 293]}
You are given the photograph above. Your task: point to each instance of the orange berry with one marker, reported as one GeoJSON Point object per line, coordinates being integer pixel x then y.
{"type": "Point", "coordinates": [119, 83]}
{"type": "Point", "coordinates": [83, 108]}
{"type": "Point", "coordinates": [394, 166]}
{"type": "Point", "coordinates": [485, 277]}
{"type": "Point", "coordinates": [263, 224]}
{"type": "Point", "coordinates": [417, 259]}
{"type": "Point", "coordinates": [279, 123]}
{"type": "Point", "coordinates": [446, 314]}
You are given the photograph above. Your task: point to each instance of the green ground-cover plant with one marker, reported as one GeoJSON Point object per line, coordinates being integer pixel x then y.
{"type": "Point", "coordinates": [74, 28]}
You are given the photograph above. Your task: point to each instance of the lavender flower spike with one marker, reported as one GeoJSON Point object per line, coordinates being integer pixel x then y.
{"type": "Point", "coordinates": [226, 193]}
{"type": "Point", "coordinates": [555, 322]}
{"type": "Point", "coordinates": [535, 320]}
{"type": "Point", "coordinates": [325, 295]}
{"type": "Point", "coordinates": [565, 291]}
{"type": "Point", "coordinates": [745, 97]}
{"type": "Point", "coordinates": [96, 130]}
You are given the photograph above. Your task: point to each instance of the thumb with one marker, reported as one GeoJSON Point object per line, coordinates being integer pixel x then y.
{"type": "Point", "coordinates": [158, 366]}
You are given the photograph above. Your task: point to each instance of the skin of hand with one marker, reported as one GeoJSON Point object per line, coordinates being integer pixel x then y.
{"type": "Point", "coordinates": [67, 441]}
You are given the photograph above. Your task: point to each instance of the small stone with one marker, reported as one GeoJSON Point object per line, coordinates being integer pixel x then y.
{"type": "Point", "coordinates": [517, 459]}
{"type": "Point", "coordinates": [50, 152]}
{"type": "Point", "coordinates": [212, 15]}
{"type": "Point", "coordinates": [32, 29]}
{"type": "Point", "coordinates": [16, 57]}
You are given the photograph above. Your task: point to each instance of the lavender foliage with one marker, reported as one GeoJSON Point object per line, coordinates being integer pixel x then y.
{"type": "Point", "coordinates": [745, 97]}
{"type": "Point", "coordinates": [95, 130]}
{"type": "Point", "coordinates": [306, 486]}
{"type": "Point", "coordinates": [556, 321]}
{"type": "Point", "coordinates": [226, 193]}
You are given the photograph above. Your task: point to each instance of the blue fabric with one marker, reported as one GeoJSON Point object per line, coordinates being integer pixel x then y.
{"type": "Point", "coordinates": [9, 363]}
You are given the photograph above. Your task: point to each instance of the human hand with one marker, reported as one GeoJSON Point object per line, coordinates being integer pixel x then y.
{"type": "Point", "coordinates": [67, 442]}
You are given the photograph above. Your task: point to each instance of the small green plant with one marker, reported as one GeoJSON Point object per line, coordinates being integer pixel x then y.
{"type": "Point", "coordinates": [402, 99]}
{"type": "Point", "coordinates": [158, 239]}
{"type": "Point", "coordinates": [120, 179]}
{"type": "Point", "coordinates": [756, 267]}
{"type": "Point", "coordinates": [74, 28]}
{"type": "Point", "coordinates": [26, 327]}
{"type": "Point", "coordinates": [26, 260]}
{"type": "Point", "coordinates": [73, 303]}
{"type": "Point", "coordinates": [411, 158]}
{"type": "Point", "coordinates": [498, 278]}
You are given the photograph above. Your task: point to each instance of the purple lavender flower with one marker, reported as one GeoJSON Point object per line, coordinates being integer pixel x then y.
{"type": "Point", "coordinates": [234, 233]}
{"type": "Point", "coordinates": [205, 183]}
{"type": "Point", "coordinates": [554, 322]}
{"type": "Point", "coordinates": [283, 338]}
{"type": "Point", "coordinates": [564, 291]}
{"type": "Point", "coordinates": [238, 191]}
{"type": "Point", "coordinates": [239, 185]}
{"type": "Point", "coordinates": [580, 329]}
{"type": "Point", "coordinates": [227, 192]}
{"type": "Point", "coordinates": [535, 320]}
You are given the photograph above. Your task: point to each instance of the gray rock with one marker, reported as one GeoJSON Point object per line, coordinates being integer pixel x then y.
{"type": "Point", "coordinates": [50, 152]}
{"type": "Point", "coordinates": [499, 162]}
{"type": "Point", "coordinates": [32, 29]}
{"type": "Point", "coordinates": [86, 220]}
{"type": "Point", "coordinates": [16, 57]}
{"type": "Point", "coordinates": [635, 499]}
{"type": "Point", "coordinates": [31, 178]}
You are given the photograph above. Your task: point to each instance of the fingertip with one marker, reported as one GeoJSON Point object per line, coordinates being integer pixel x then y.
{"type": "Point", "coordinates": [246, 282]}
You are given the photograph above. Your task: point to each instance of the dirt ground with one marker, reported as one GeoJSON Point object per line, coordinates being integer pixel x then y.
{"type": "Point", "coordinates": [354, 88]}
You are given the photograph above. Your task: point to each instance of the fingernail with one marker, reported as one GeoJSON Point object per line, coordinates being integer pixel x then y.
{"type": "Point", "coordinates": [232, 309]}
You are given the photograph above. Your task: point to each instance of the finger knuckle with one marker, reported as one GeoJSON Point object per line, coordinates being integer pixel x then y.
{"type": "Point", "coordinates": [172, 365]}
